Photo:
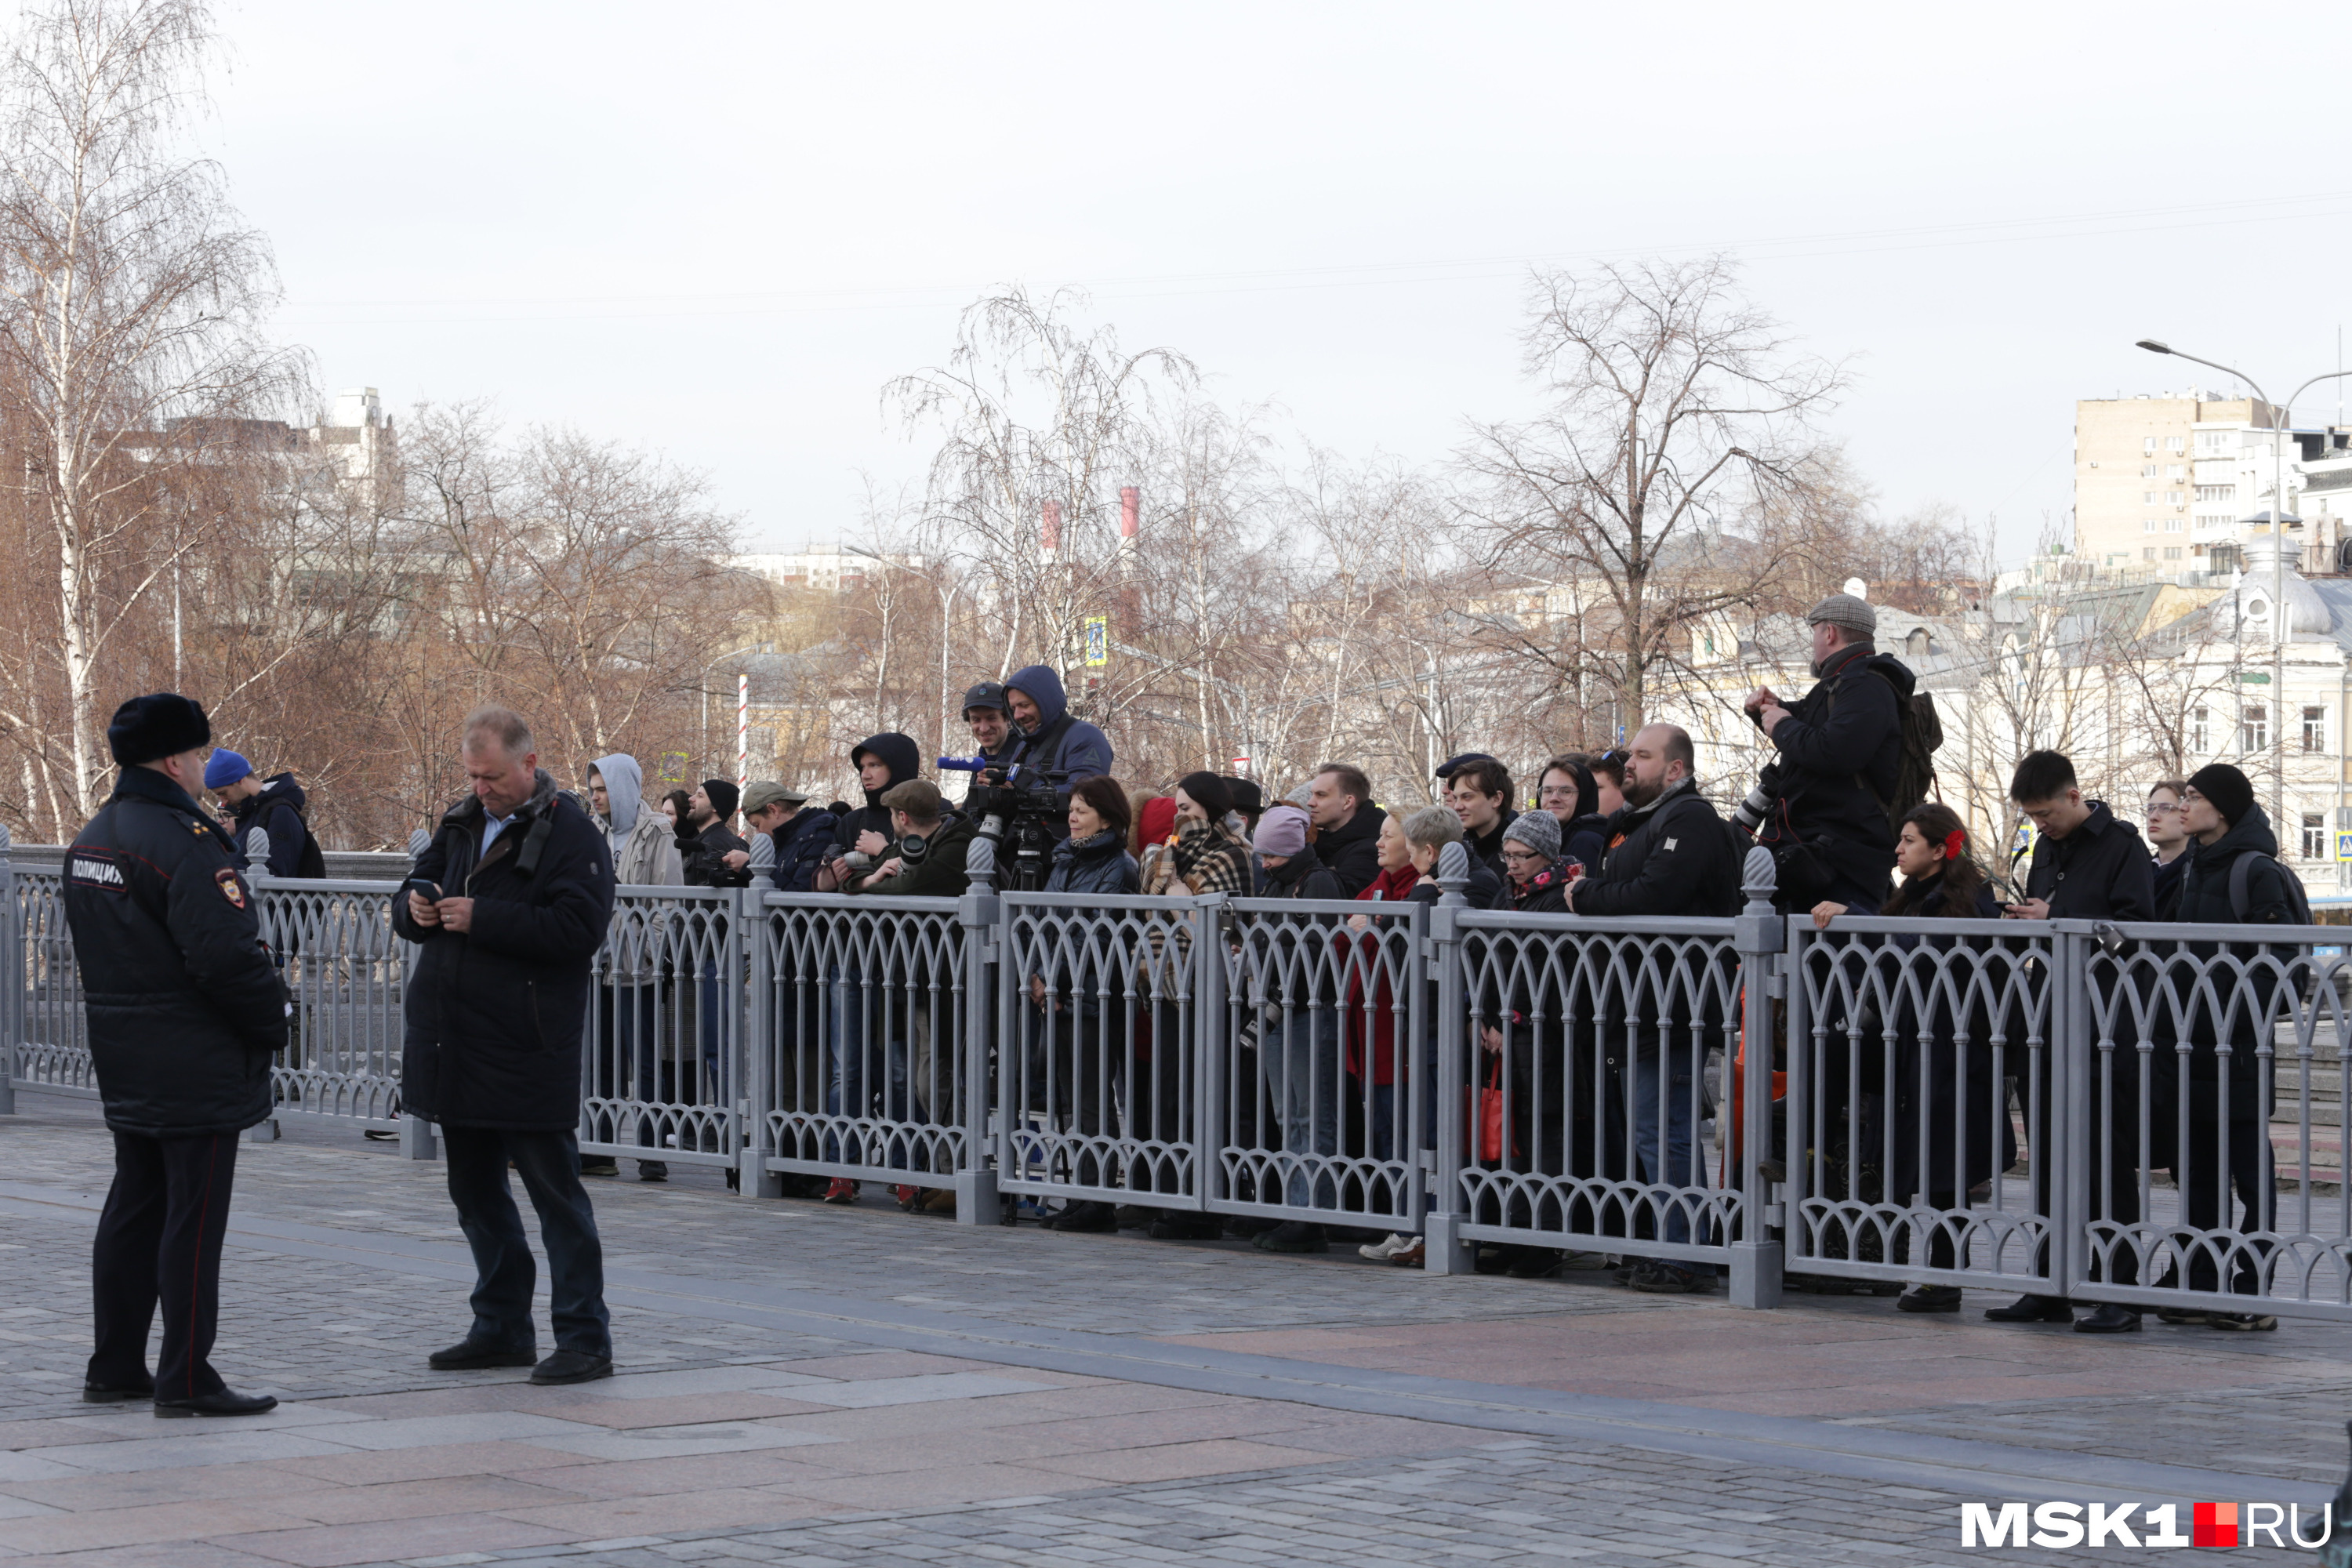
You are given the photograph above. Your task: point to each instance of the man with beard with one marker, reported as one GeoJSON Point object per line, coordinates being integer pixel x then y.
{"type": "Point", "coordinates": [1667, 855]}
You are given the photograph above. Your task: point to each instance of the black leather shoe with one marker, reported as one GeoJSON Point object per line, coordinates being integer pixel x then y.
{"type": "Point", "coordinates": [2031, 1310]}
{"type": "Point", "coordinates": [571, 1366]}
{"type": "Point", "coordinates": [2109, 1319]}
{"type": "Point", "coordinates": [468, 1356]}
{"type": "Point", "coordinates": [227, 1402]}
{"type": "Point", "coordinates": [1929, 1299]}
{"type": "Point", "coordinates": [133, 1394]}
{"type": "Point", "coordinates": [1294, 1235]}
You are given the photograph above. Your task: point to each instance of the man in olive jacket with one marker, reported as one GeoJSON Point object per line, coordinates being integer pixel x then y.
{"type": "Point", "coordinates": [184, 1008]}
{"type": "Point", "coordinates": [495, 1017]}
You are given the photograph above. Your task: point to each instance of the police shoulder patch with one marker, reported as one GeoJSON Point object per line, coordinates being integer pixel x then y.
{"type": "Point", "coordinates": [231, 888]}
{"type": "Point", "coordinates": [96, 869]}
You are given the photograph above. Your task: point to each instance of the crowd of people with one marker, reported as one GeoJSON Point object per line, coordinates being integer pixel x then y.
{"type": "Point", "coordinates": [1589, 1112]}
{"type": "Point", "coordinates": [1625, 831]}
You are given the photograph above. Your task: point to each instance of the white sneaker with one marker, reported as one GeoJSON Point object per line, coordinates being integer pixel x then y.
{"type": "Point", "coordinates": [1382, 1251]}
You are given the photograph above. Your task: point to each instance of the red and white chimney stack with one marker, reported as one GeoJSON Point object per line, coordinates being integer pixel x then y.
{"type": "Point", "coordinates": [1052, 518]}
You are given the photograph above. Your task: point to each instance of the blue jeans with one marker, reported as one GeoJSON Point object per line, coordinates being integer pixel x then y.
{"type": "Point", "coordinates": [1678, 1168]}
{"type": "Point", "coordinates": [1306, 1087]}
{"type": "Point", "coordinates": [505, 1274]}
{"type": "Point", "coordinates": [846, 1092]}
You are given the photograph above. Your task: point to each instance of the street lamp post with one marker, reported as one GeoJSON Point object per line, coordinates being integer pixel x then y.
{"type": "Point", "coordinates": [2279, 411]}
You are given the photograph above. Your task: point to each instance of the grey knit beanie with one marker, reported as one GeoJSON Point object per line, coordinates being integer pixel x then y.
{"type": "Point", "coordinates": [1538, 830]}
{"type": "Point", "coordinates": [1855, 617]}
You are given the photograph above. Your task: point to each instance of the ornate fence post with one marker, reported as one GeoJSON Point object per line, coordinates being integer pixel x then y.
{"type": "Point", "coordinates": [982, 914]}
{"type": "Point", "coordinates": [1760, 937]}
{"type": "Point", "coordinates": [1445, 1251]}
{"type": "Point", "coordinates": [257, 863]}
{"type": "Point", "coordinates": [416, 1139]}
{"type": "Point", "coordinates": [12, 979]}
{"type": "Point", "coordinates": [755, 1031]}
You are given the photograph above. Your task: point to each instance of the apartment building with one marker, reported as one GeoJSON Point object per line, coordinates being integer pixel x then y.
{"type": "Point", "coordinates": [2139, 498]}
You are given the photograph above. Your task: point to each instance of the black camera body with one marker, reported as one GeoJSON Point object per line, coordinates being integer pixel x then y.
{"type": "Point", "coordinates": [1016, 805]}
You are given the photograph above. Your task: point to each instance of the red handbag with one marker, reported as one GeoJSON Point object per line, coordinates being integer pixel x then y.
{"type": "Point", "coordinates": [1492, 1118]}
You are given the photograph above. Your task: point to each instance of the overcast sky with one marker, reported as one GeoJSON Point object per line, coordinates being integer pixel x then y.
{"type": "Point", "coordinates": [717, 231]}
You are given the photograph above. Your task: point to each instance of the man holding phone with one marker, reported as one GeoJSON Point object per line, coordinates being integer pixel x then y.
{"type": "Point", "coordinates": [509, 903]}
{"type": "Point", "coordinates": [2086, 866]}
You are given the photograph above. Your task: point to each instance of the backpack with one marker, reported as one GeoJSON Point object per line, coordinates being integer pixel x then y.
{"type": "Point", "coordinates": [1914, 762]}
{"type": "Point", "coordinates": [2241, 876]}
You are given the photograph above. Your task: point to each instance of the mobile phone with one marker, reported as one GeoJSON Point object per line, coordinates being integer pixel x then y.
{"type": "Point", "coordinates": [429, 891]}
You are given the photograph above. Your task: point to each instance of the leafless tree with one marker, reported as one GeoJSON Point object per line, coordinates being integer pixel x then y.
{"type": "Point", "coordinates": [133, 343]}
{"type": "Point", "coordinates": [1674, 408]}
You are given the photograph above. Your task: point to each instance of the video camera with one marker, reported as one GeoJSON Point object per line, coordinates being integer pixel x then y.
{"type": "Point", "coordinates": [1015, 802]}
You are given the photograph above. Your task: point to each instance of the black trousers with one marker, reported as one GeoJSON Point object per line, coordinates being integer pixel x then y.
{"type": "Point", "coordinates": [159, 1239]}
{"type": "Point", "coordinates": [506, 1274]}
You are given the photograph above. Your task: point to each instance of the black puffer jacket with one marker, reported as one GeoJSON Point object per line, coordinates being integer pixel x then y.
{"type": "Point", "coordinates": [494, 1014]}
{"type": "Point", "coordinates": [1097, 865]}
{"type": "Point", "coordinates": [1839, 751]}
{"type": "Point", "coordinates": [905, 759]}
{"type": "Point", "coordinates": [184, 1005]}
{"type": "Point", "coordinates": [278, 810]}
{"type": "Point", "coordinates": [1352, 853]}
{"type": "Point", "coordinates": [2233, 972]}
{"type": "Point", "coordinates": [702, 855]}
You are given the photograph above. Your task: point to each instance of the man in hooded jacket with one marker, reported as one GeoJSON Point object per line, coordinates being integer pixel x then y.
{"type": "Point", "coordinates": [629, 995]}
{"type": "Point", "coordinates": [185, 1009]}
{"type": "Point", "coordinates": [1820, 805]}
{"type": "Point", "coordinates": [1045, 735]}
{"type": "Point", "coordinates": [494, 1017]}
{"type": "Point", "coordinates": [276, 805]}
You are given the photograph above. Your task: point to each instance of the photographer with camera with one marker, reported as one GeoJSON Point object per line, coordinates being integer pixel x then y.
{"type": "Point", "coordinates": [1046, 738]}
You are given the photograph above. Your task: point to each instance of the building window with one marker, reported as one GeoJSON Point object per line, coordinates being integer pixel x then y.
{"type": "Point", "coordinates": [2172, 552]}
{"type": "Point", "coordinates": [2147, 446]}
{"type": "Point", "coordinates": [2315, 729]}
{"type": "Point", "coordinates": [2198, 734]}
{"type": "Point", "coordinates": [2217, 492]}
{"type": "Point", "coordinates": [2172, 525]}
{"type": "Point", "coordinates": [2148, 470]}
{"type": "Point", "coordinates": [2176, 471]}
{"type": "Point", "coordinates": [2176, 442]}
{"type": "Point", "coordinates": [2172, 498]}
{"type": "Point", "coordinates": [2150, 497]}
{"type": "Point", "coordinates": [2315, 836]}
{"type": "Point", "coordinates": [2147, 552]}
{"type": "Point", "coordinates": [2255, 727]}
{"type": "Point", "coordinates": [2213, 443]}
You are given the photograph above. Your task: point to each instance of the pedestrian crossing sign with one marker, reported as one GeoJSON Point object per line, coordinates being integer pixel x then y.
{"type": "Point", "coordinates": [2343, 846]}
{"type": "Point", "coordinates": [1097, 641]}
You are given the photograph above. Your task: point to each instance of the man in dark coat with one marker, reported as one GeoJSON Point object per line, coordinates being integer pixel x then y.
{"type": "Point", "coordinates": [801, 834]}
{"type": "Point", "coordinates": [495, 1018]}
{"type": "Point", "coordinates": [1347, 825]}
{"type": "Point", "coordinates": [990, 721]}
{"type": "Point", "coordinates": [275, 805]}
{"type": "Point", "coordinates": [2215, 1078]}
{"type": "Point", "coordinates": [1668, 854]}
{"type": "Point", "coordinates": [705, 841]}
{"type": "Point", "coordinates": [1820, 805]}
{"type": "Point", "coordinates": [2089, 867]}
{"type": "Point", "coordinates": [1046, 735]}
{"type": "Point", "coordinates": [184, 1008]}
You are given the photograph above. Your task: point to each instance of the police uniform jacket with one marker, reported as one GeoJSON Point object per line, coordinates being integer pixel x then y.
{"type": "Point", "coordinates": [496, 1013]}
{"type": "Point", "coordinates": [185, 1004]}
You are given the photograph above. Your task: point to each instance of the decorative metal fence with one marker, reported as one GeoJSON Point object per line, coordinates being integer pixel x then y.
{"type": "Point", "coordinates": [2150, 1115]}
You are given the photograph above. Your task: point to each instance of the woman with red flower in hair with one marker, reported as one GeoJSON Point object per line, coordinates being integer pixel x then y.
{"type": "Point", "coordinates": [1948, 1128]}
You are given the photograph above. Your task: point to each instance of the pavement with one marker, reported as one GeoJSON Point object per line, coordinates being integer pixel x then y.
{"type": "Point", "coordinates": [806, 1385]}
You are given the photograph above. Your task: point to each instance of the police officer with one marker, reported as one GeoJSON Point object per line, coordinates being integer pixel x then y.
{"type": "Point", "coordinates": [185, 1009]}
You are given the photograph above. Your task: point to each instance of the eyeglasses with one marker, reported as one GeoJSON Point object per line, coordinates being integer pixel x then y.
{"type": "Point", "coordinates": [2155, 810]}
{"type": "Point", "coordinates": [1522, 856]}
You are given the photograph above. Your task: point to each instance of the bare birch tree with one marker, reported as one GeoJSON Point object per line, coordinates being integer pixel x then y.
{"type": "Point", "coordinates": [133, 341]}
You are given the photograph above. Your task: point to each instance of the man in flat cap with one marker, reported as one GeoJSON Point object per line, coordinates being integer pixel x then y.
{"type": "Point", "coordinates": [185, 1009]}
{"type": "Point", "coordinates": [1820, 805]}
